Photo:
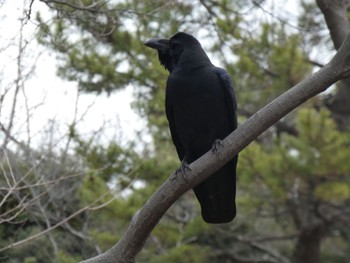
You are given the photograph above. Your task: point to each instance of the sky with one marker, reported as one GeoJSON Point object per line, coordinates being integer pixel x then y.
{"type": "Point", "coordinates": [49, 98]}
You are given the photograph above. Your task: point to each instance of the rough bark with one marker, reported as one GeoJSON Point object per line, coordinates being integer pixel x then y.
{"type": "Point", "coordinates": [308, 244]}
{"type": "Point", "coordinates": [149, 215]}
{"type": "Point", "coordinates": [336, 15]}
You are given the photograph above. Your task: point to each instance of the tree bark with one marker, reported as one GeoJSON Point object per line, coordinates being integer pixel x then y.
{"type": "Point", "coordinates": [308, 244]}
{"type": "Point", "coordinates": [149, 215]}
{"type": "Point", "coordinates": [335, 14]}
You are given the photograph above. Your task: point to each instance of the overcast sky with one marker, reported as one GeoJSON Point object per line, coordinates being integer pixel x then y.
{"type": "Point", "coordinates": [49, 97]}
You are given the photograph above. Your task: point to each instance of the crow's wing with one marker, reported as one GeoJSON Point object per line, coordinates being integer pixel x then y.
{"type": "Point", "coordinates": [170, 116]}
{"type": "Point", "coordinates": [230, 98]}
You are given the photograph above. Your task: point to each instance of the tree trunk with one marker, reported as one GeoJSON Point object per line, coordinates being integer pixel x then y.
{"type": "Point", "coordinates": [335, 14]}
{"type": "Point", "coordinates": [307, 249]}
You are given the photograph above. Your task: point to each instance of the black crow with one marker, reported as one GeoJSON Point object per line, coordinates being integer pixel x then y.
{"type": "Point", "coordinates": [201, 110]}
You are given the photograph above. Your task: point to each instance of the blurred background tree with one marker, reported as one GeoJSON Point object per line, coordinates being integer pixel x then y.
{"type": "Point", "coordinates": [293, 182]}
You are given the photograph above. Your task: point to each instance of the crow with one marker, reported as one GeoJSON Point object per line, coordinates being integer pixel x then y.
{"type": "Point", "coordinates": [201, 108]}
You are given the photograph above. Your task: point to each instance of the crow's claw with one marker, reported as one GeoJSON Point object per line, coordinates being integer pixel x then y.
{"type": "Point", "coordinates": [216, 147]}
{"type": "Point", "coordinates": [182, 170]}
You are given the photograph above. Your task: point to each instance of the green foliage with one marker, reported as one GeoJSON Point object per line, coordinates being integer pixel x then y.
{"type": "Point", "coordinates": [333, 191]}
{"type": "Point", "coordinates": [104, 238]}
{"type": "Point", "coordinates": [30, 260]}
{"type": "Point", "coordinates": [64, 257]}
{"type": "Point", "coordinates": [264, 68]}
{"type": "Point", "coordinates": [318, 153]}
{"type": "Point", "coordinates": [298, 174]}
{"type": "Point", "coordinates": [184, 253]}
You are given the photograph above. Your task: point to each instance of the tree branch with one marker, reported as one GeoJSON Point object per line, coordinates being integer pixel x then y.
{"type": "Point", "coordinates": [60, 223]}
{"type": "Point", "coordinates": [149, 215]}
{"type": "Point", "coordinates": [335, 14]}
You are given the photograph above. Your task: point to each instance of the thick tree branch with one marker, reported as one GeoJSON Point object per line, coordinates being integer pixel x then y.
{"type": "Point", "coordinates": [336, 17]}
{"type": "Point", "coordinates": [335, 14]}
{"type": "Point", "coordinates": [149, 215]}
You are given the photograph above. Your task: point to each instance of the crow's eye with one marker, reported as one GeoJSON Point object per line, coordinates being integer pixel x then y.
{"type": "Point", "coordinates": [174, 45]}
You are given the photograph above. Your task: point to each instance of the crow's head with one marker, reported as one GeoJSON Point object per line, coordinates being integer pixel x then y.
{"type": "Point", "coordinates": [163, 48]}
{"type": "Point", "coordinates": [180, 48]}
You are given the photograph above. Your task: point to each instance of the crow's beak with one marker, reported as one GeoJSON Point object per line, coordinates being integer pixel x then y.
{"type": "Point", "coordinates": [161, 44]}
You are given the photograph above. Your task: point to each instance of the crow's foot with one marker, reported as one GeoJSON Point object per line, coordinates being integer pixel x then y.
{"type": "Point", "coordinates": [216, 147]}
{"type": "Point", "coordinates": [182, 170]}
